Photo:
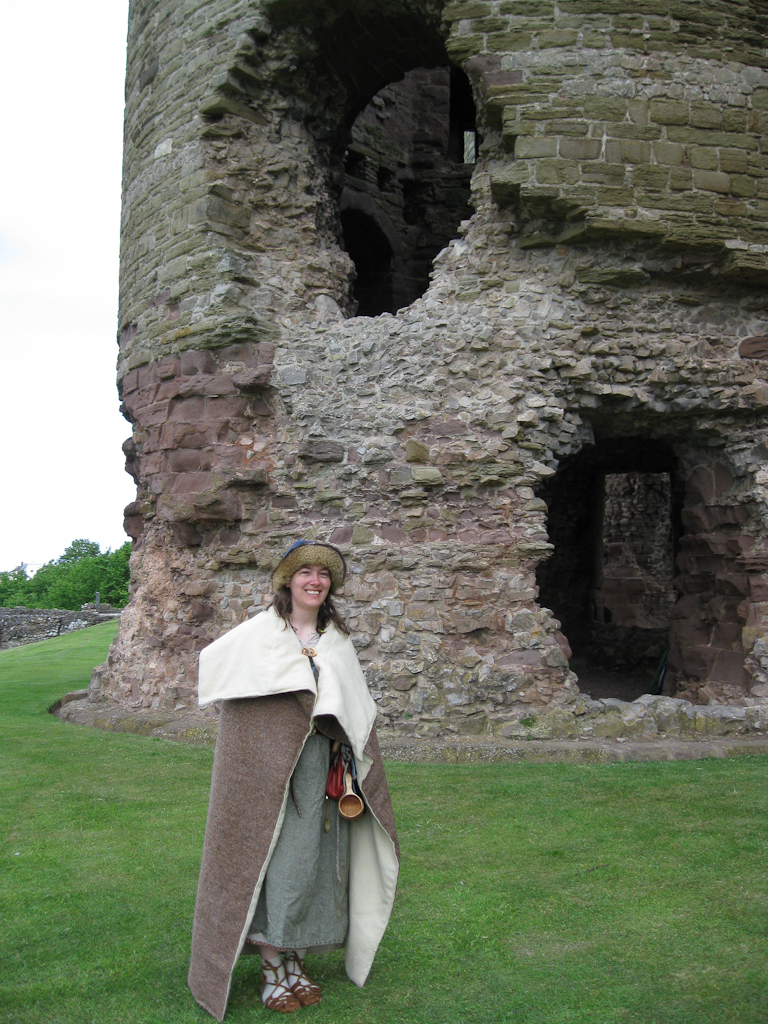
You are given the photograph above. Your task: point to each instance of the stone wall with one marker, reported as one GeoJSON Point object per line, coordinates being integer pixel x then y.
{"type": "Point", "coordinates": [602, 311]}
{"type": "Point", "coordinates": [637, 553]}
{"type": "Point", "coordinates": [21, 625]}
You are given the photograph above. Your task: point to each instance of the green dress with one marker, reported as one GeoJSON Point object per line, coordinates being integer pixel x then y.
{"type": "Point", "coordinates": [304, 902]}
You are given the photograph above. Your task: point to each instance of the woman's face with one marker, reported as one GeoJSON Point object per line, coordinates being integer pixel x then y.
{"type": "Point", "coordinates": [309, 587]}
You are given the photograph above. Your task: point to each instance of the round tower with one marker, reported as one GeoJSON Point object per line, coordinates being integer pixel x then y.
{"type": "Point", "coordinates": [476, 292]}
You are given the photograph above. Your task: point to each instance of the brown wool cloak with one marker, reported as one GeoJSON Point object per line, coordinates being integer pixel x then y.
{"type": "Point", "coordinates": [259, 743]}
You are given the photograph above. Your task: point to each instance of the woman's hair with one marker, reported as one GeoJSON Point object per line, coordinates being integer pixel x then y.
{"type": "Point", "coordinates": [327, 613]}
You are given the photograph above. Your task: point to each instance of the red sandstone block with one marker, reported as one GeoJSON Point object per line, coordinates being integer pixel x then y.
{"type": "Point", "coordinates": [732, 583]}
{"type": "Point", "coordinates": [721, 609]}
{"type": "Point", "coordinates": [183, 460]}
{"type": "Point", "coordinates": [154, 414]}
{"type": "Point", "coordinates": [724, 479]}
{"type": "Point", "coordinates": [199, 588]}
{"type": "Point", "coordinates": [692, 633]}
{"type": "Point", "coordinates": [726, 634]}
{"type": "Point", "coordinates": [188, 435]}
{"type": "Point", "coordinates": [208, 385]}
{"type": "Point", "coordinates": [697, 662]}
{"type": "Point", "coordinates": [228, 457]}
{"type": "Point", "coordinates": [197, 361]}
{"type": "Point", "coordinates": [168, 367]}
{"type": "Point", "coordinates": [187, 410]}
{"type": "Point", "coordinates": [225, 408]}
{"type": "Point", "coordinates": [220, 384]}
{"type": "Point", "coordinates": [129, 382]}
{"type": "Point", "coordinates": [202, 611]}
{"type": "Point", "coordinates": [266, 352]}
{"type": "Point", "coordinates": [154, 462]}
{"type": "Point", "coordinates": [729, 668]}
{"type": "Point", "coordinates": [141, 397]}
{"type": "Point", "coordinates": [168, 389]}
{"type": "Point", "coordinates": [147, 375]}
{"type": "Point", "coordinates": [160, 483]}
{"type": "Point", "coordinates": [190, 483]}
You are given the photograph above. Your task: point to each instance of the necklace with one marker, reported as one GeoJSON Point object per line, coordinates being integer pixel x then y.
{"type": "Point", "coordinates": [311, 639]}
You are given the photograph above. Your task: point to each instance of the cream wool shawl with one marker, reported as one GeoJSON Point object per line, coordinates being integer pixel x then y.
{"type": "Point", "coordinates": [262, 657]}
{"type": "Point", "coordinates": [269, 700]}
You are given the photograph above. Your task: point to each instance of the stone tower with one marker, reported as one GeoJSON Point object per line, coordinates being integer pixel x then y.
{"type": "Point", "coordinates": [475, 291]}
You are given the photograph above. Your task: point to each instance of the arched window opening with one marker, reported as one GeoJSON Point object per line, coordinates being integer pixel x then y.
{"type": "Point", "coordinates": [614, 520]}
{"type": "Point", "coordinates": [407, 166]}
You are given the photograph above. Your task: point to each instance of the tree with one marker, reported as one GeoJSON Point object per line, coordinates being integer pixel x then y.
{"type": "Point", "coordinates": [72, 579]}
{"type": "Point", "coordinates": [78, 549]}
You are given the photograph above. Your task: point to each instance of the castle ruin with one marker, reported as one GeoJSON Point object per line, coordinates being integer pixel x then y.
{"type": "Point", "coordinates": [475, 291]}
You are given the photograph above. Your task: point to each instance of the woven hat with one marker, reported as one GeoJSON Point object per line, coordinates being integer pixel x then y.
{"type": "Point", "coordinates": [310, 552]}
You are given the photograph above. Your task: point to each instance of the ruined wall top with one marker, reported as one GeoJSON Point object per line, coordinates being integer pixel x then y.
{"type": "Point", "coordinates": [600, 121]}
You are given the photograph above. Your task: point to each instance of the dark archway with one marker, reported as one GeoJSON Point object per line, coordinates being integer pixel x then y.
{"type": "Point", "coordinates": [393, 126]}
{"type": "Point", "coordinates": [615, 522]}
{"type": "Point", "coordinates": [409, 160]}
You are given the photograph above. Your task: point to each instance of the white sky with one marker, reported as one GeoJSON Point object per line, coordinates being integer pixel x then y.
{"type": "Point", "coordinates": [62, 68]}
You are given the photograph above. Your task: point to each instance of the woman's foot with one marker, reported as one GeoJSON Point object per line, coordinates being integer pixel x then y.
{"type": "Point", "coordinates": [306, 991]}
{"type": "Point", "coordinates": [276, 993]}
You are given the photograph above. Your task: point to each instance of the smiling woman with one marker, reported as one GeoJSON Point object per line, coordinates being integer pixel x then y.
{"type": "Point", "coordinates": [283, 871]}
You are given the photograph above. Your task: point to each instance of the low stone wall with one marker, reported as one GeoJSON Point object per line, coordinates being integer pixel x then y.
{"type": "Point", "coordinates": [649, 728]}
{"type": "Point", "coordinates": [647, 718]}
{"type": "Point", "coordinates": [27, 625]}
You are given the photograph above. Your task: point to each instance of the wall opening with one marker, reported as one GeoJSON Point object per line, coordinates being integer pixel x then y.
{"type": "Point", "coordinates": [407, 172]}
{"type": "Point", "coordinates": [614, 520]}
{"type": "Point", "coordinates": [371, 253]}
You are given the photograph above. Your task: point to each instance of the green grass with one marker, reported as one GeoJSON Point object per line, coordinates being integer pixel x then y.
{"type": "Point", "coordinates": [538, 894]}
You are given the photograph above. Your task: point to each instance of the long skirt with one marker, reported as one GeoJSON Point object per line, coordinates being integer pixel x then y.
{"type": "Point", "coordinates": [304, 902]}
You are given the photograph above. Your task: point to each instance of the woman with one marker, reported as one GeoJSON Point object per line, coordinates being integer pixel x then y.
{"type": "Point", "coordinates": [281, 872]}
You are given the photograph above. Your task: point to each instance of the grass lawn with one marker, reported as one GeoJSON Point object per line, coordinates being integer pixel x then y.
{"type": "Point", "coordinates": [538, 894]}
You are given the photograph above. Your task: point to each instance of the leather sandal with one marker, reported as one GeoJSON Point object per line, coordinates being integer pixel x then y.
{"type": "Point", "coordinates": [282, 999]}
{"type": "Point", "coordinates": [306, 991]}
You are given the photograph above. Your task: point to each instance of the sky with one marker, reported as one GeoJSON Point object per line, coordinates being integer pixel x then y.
{"type": "Point", "coordinates": [62, 70]}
